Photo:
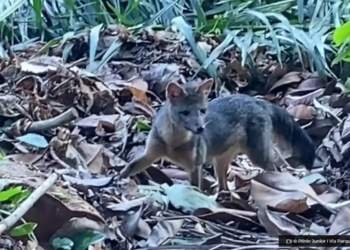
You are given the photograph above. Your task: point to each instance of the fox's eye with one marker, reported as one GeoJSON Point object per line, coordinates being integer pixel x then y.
{"type": "Point", "coordinates": [203, 111]}
{"type": "Point", "coordinates": [185, 112]}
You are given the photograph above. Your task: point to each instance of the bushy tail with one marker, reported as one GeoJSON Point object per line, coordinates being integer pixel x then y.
{"type": "Point", "coordinates": [284, 125]}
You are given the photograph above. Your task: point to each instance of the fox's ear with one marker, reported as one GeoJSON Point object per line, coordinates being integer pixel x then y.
{"type": "Point", "coordinates": [205, 86]}
{"type": "Point", "coordinates": [174, 90]}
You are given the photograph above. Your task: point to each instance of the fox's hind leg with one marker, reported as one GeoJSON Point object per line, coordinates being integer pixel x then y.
{"type": "Point", "coordinates": [221, 164]}
{"type": "Point", "coordinates": [260, 142]}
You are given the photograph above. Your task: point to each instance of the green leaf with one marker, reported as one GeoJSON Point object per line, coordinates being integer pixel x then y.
{"type": "Point", "coordinates": [62, 244]}
{"type": "Point", "coordinates": [143, 125]}
{"type": "Point", "coordinates": [341, 34]}
{"type": "Point", "coordinates": [78, 241]}
{"type": "Point", "coordinates": [218, 50]}
{"type": "Point", "coordinates": [266, 21]}
{"type": "Point", "coordinates": [300, 5]}
{"type": "Point", "coordinates": [23, 230]}
{"type": "Point", "coordinates": [34, 140]}
{"type": "Point", "coordinates": [186, 30]}
{"type": "Point", "coordinates": [70, 4]}
{"type": "Point", "coordinates": [276, 7]}
{"type": "Point", "coordinates": [84, 239]}
{"type": "Point", "coordinates": [196, 5]}
{"type": "Point", "coordinates": [343, 53]}
{"type": "Point", "coordinates": [112, 51]}
{"type": "Point", "coordinates": [38, 8]}
{"type": "Point", "coordinates": [94, 38]}
{"type": "Point", "coordinates": [9, 193]}
{"type": "Point", "coordinates": [347, 85]}
{"type": "Point", "coordinates": [245, 44]}
{"type": "Point", "coordinates": [188, 198]}
{"type": "Point", "coordinates": [18, 198]}
{"type": "Point", "coordinates": [8, 8]}
{"type": "Point", "coordinates": [159, 14]}
{"type": "Point", "coordinates": [285, 24]}
{"type": "Point", "coordinates": [2, 155]}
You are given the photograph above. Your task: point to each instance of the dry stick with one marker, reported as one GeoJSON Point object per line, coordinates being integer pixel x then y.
{"type": "Point", "coordinates": [54, 122]}
{"type": "Point", "coordinates": [11, 220]}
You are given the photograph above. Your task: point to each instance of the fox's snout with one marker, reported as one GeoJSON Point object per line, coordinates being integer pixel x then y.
{"type": "Point", "coordinates": [196, 128]}
{"type": "Point", "coordinates": [200, 129]}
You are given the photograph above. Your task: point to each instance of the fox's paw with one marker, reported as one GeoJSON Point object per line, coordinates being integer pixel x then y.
{"type": "Point", "coordinates": [223, 195]}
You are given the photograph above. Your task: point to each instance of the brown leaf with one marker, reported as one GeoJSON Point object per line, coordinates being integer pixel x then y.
{"type": "Point", "coordinates": [287, 80]}
{"type": "Point", "coordinates": [286, 182]}
{"type": "Point", "coordinates": [88, 182]}
{"type": "Point", "coordinates": [320, 127]}
{"type": "Point", "coordinates": [93, 121]}
{"type": "Point", "coordinates": [276, 72]}
{"type": "Point", "coordinates": [143, 230]}
{"type": "Point", "coordinates": [138, 87]}
{"type": "Point", "coordinates": [158, 176]}
{"type": "Point", "coordinates": [160, 74]}
{"type": "Point", "coordinates": [92, 154]}
{"type": "Point", "coordinates": [130, 222]}
{"type": "Point", "coordinates": [264, 195]}
{"type": "Point", "coordinates": [302, 111]}
{"type": "Point", "coordinates": [341, 221]}
{"type": "Point", "coordinates": [275, 223]}
{"type": "Point", "coordinates": [126, 205]}
{"type": "Point", "coordinates": [304, 99]}
{"type": "Point", "coordinates": [163, 230]}
{"type": "Point", "coordinates": [226, 215]}
{"type": "Point", "coordinates": [311, 84]}
{"type": "Point", "coordinates": [41, 65]}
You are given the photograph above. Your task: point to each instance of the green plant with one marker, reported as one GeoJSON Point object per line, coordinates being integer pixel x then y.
{"type": "Point", "coordinates": [10, 198]}
{"type": "Point", "coordinates": [341, 39]}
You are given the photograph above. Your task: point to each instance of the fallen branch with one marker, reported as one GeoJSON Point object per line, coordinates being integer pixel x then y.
{"type": "Point", "coordinates": [53, 122]}
{"type": "Point", "coordinates": [11, 220]}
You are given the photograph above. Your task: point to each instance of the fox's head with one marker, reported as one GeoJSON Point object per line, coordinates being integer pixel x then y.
{"type": "Point", "coordinates": [188, 105]}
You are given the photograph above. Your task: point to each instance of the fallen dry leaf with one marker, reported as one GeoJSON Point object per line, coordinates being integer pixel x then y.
{"type": "Point", "coordinates": [341, 222]}
{"type": "Point", "coordinates": [164, 230]}
{"type": "Point", "coordinates": [276, 223]}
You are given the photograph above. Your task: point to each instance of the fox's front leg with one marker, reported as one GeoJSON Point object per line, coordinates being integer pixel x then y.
{"type": "Point", "coordinates": [153, 152]}
{"type": "Point", "coordinates": [196, 177]}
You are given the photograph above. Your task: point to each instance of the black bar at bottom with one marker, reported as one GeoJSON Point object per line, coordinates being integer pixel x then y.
{"type": "Point", "coordinates": [314, 240]}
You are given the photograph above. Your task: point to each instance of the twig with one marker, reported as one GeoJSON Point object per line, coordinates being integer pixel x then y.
{"type": "Point", "coordinates": [27, 204]}
{"type": "Point", "coordinates": [54, 122]}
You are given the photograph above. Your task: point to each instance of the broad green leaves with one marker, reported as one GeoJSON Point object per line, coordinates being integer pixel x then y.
{"type": "Point", "coordinates": [341, 39]}
{"type": "Point", "coordinates": [78, 241]}
{"type": "Point", "coordinates": [9, 200]}
{"type": "Point", "coordinates": [6, 195]}
{"type": "Point", "coordinates": [23, 230]}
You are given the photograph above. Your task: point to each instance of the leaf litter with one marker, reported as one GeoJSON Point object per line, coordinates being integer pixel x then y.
{"type": "Point", "coordinates": [88, 116]}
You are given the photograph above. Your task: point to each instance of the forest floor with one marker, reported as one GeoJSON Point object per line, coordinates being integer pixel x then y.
{"type": "Point", "coordinates": [85, 120]}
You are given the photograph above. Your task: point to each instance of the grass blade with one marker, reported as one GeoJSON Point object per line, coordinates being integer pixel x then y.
{"type": "Point", "coordinates": [265, 20]}
{"type": "Point", "coordinates": [9, 7]}
{"type": "Point", "coordinates": [186, 30]}
{"type": "Point", "coordinates": [94, 38]}
{"type": "Point", "coordinates": [112, 51]}
{"type": "Point", "coordinates": [300, 5]}
{"type": "Point", "coordinates": [196, 5]}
